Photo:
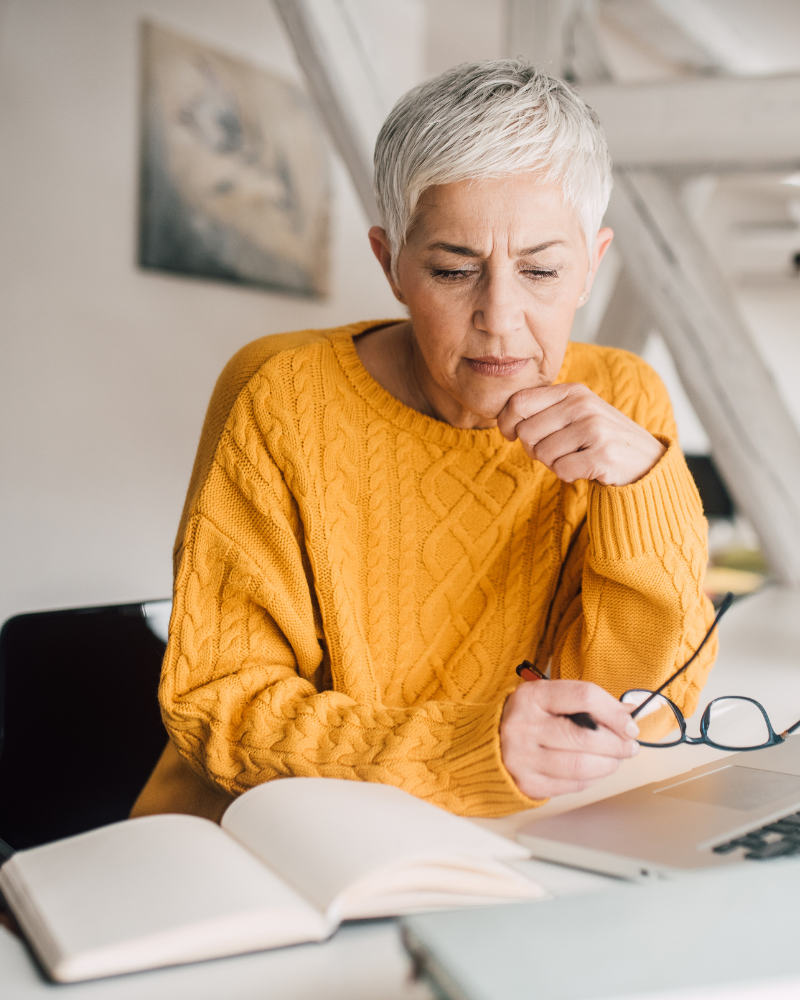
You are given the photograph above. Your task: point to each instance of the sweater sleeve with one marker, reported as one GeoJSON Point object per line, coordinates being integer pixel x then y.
{"type": "Point", "coordinates": [630, 609]}
{"type": "Point", "coordinates": [248, 692]}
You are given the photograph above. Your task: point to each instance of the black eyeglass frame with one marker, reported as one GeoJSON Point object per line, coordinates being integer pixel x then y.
{"type": "Point", "coordinates": [774, 738]}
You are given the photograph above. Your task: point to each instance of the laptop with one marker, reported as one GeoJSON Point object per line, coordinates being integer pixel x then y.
{"type": "Point", "coordinates": [743, 807]}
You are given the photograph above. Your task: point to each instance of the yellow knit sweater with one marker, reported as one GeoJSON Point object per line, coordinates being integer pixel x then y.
{"type": "Point", "coordinates": [356, 581]}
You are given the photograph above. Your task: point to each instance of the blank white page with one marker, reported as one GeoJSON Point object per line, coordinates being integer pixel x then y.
{"type": "Point", "coordinates": [147, 892]}
{"type": "Point", "coordinates": [325, 834]}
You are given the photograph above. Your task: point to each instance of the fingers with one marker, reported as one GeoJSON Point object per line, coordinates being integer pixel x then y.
{"type": "Point", "coordinates": [528, 402]}
{"type": "Point", "coordinates": [548, 754]}
{"type": "Point", "coordinates": [559, 732]}
{"type": "Point", "coordinates": [577, 403]}
{"type": "Point", "coordinates": [578, 767]}
{"type": "Point", "coordinates": [582, 440]}
{"type": "Point", "coordinates": [567, 697]}
{"type": "Point", "coordinates": [578, 435]}
{"type": "Point", "coordinates": [554, 772]}
{"type": "Point", "coordinates": [541, 787]}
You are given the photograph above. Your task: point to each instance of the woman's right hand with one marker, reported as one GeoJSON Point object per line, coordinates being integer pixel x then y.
{"type": "Point", "coordinates": [546, 753]}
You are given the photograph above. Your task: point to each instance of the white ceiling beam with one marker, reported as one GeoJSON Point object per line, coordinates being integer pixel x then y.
{"type": "Point", "coordinates": [709, 124]}
{"type": "Point", "coordinates": [754, 439]}
{"type": "Point", "coordinates": [558, 35]}
{"type": "Point", "coordinates": [701, 124]}
{"type": "Point", "coordinates": [584, 58]}
{"type": "Point", "coordinates": [343, 83]}
{"type": "Point", "coordinates": [743, 38]}
{"type": "Point", "coordinates": [653, 24]}
{"type": "Point", "coordinates": [536, 29]}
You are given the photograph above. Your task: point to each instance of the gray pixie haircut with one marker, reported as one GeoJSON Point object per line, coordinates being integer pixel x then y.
{"type": "Point", "coordinates": [485, 120]}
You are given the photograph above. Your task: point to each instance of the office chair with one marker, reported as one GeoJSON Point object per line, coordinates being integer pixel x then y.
{"type": "Point", "coordinates": [80, 726]}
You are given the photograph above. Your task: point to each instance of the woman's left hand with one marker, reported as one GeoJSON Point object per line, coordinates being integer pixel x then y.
{"type": "Point", "coordinates": [578, 435]}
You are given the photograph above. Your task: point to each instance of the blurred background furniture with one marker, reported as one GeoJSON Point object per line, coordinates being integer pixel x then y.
{"type": "Point", "coordinates": [80, 726]}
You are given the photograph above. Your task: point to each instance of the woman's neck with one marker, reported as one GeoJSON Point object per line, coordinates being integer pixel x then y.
{"type": "Point", "coordinates": [388, 355]}
{"type": "Point", "coordinates": [392, 358]}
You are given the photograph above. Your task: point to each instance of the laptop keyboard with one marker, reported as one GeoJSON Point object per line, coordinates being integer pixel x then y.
{"type": "Point", "coordinates": [774, 840]}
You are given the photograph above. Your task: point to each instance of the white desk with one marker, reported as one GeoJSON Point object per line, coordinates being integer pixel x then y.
{"type": "Point", "coordinates": [760, 657]}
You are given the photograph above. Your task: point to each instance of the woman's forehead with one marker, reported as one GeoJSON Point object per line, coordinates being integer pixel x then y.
{"type": "Point", "coordinates": [522, 210]}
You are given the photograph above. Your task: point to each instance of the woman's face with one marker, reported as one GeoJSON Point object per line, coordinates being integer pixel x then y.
{"type": "Point", "coordinates": [492, 273]}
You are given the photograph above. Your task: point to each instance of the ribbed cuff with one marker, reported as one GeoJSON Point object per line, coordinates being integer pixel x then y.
{"type": "Point", "coordinates": [475, 765]}
{"type": "Point", "coordinates": [626, 522]}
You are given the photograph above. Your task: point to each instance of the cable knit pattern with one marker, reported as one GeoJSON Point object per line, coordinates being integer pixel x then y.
{"type": "Point", "coordinates": [357, 581]}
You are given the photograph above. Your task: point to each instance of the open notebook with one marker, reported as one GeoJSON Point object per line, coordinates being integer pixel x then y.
{"type": "Point", "coordinates": [292, 859]}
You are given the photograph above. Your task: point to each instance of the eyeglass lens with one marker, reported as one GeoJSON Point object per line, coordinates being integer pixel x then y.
{"type": "Point", "coordinates": [658, 724]}
{"type": "Point", "coordinates": [737, 723]}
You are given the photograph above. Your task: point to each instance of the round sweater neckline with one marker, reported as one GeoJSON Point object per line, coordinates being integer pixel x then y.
{"type": "Point", "coordinates": [397, 412]}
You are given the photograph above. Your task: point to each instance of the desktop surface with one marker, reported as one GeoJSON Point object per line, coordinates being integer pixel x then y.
{"type": "Point", "coordinates": [363, 961]}
{"type": "Point", "coordinates": [760, 657]}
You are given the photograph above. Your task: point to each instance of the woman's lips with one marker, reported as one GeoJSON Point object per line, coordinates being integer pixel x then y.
{"type": "Point", "coordinates": [497, 367]}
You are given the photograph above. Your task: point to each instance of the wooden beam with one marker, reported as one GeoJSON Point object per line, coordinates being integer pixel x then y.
{"type": "Point", "coordinates": [343, 84]}
{"type": "Point", "coordinates": [707, 124]}
{"type": "Point", "coordinates": [755, 442]}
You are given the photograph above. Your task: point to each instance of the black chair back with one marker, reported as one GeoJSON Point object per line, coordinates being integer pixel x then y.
{"type": "Point", "coordinates": [80, 726]}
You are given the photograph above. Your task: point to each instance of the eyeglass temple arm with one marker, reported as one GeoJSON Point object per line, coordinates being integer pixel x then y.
{"type": "Point", "coordinates": [722, 609]}
{"type": "Point", "coordinates": [790, 730]}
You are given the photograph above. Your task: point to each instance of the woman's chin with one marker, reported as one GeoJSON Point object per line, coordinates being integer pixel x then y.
{"type": "Point", "coordinates": [486, 398]}
{"type": "Point", "coordinates": [487, 410]}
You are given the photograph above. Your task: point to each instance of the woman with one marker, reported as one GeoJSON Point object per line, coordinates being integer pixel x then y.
{"type": "Point", "coordinates": [386, 518]}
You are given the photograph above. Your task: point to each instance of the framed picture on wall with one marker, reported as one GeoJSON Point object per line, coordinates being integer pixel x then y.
{"type": "Point", "coordinates": [234, 170]}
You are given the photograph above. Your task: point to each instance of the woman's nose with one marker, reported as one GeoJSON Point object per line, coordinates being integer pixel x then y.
{"type": "Point", "coordinates": [498, 309]}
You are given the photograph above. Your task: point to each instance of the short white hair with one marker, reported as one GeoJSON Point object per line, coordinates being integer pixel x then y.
{"type": "Point", "coordinates": [485, 120]}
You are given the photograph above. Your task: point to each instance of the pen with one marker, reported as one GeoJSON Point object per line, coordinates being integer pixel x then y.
{"type": "Point", "coordinates": [528, 672]}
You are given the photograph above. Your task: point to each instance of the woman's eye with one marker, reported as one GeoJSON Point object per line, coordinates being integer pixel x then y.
{"type": "Point", "coordinates": [450, 275]}
{"type": "Point", "coordinates": [460, 274]}
{"type": "Point", "coordinates": [539, 273]}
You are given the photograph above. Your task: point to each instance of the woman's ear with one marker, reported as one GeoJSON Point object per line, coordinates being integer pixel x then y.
{"type": "Point", "coordinates": [379, 242]}
{"type": "Point", "coordinates": [601, 244]}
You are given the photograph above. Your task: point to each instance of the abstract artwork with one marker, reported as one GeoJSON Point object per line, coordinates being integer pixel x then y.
{"type": "Point", "coordinates": [234, 173]}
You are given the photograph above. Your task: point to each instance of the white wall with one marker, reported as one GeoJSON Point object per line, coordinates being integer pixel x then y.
{"type": "Point", "coordinates": [105, 370]}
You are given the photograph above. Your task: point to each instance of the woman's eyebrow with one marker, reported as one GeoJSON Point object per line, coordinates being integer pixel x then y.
{"type": "Point", "coordinates": [541, 246]}
{"type": "Point", "coordinates": [461, 251]}
{"type": "Point", "coordinates": [453, 248]}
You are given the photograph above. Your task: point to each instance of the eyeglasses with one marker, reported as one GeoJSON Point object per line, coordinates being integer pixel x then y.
{"type": "Point", "coordinates": [731, 723]}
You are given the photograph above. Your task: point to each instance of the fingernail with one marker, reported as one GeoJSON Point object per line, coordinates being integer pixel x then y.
{"type": "Point", "coordinates": [634, 748]}
{"type": "Point", "coordinates": [632, 729]}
